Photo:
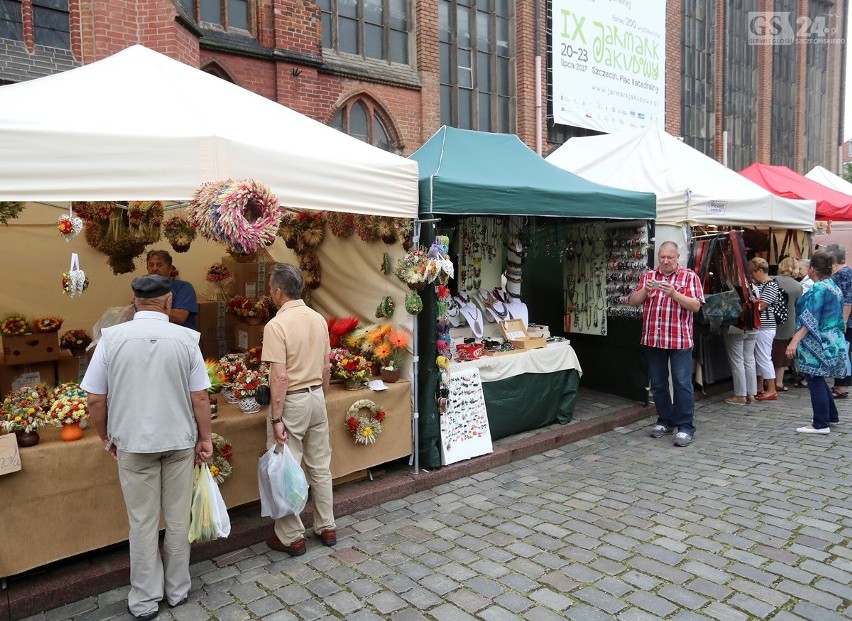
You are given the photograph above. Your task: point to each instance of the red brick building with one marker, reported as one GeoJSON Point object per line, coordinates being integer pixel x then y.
{"type": "Point", "coordinates": [393, 71]}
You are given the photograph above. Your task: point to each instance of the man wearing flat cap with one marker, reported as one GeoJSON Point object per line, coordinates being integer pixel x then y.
{"type": "Point", "coordinates": [147, 389]}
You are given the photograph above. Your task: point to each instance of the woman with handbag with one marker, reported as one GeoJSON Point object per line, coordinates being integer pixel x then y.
{"type": "Point", "coordinates": [787, 270]}
{"type": "Point", "coordinates": [768, 294]}
{"type": "Point", "coordinates": [819, 345]}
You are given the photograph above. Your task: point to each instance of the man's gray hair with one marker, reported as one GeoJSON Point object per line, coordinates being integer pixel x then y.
{"type": "Point", "coordinates": [288, 278]}
{"type": "Point", "coordinates": [836, 252]}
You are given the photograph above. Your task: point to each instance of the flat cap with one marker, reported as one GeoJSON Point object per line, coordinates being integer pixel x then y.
{"type": "Point", "coordinates": [151, 286]}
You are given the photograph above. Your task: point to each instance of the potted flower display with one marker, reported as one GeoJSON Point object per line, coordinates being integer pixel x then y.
{"type": "Point", "coordinates": [24, 411]}
{"type": "Point", "coordinates": [69, 407]}
{"type": "Point", "coordinates": [14, 324]}
{"type": "Point", "coordinates": [230, 365]}
{"type": "Point", "coordinates": [75, 341]}
{"type": "Point", "coordinates": [391, 354]}
{"type": "Point", "coordinates": [47, 324]}
{"type": "Point", "coordinates": [180, 233]}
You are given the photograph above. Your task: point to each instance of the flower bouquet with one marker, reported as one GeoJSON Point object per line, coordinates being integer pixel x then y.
{"type": "Point", "coordinates": [180, 233]}
{"type": "Point", "coordinates": [25, 409]}
{"type": "Point", "coordinates": [47, 324]}
{"type": "Point", "coordinates": [218, 278]}
{"type": "Point", "coordinates": [14, 324]}
{"type": "Point", "coordinates": [353, 369]}
{"type": "Point", "coordinates": [252, 358]}
{"type": "Point", "coordinates": [251, 310]}
{"type": "Point", "coordinates": [144, 219]}
{"type": "Point", "coordinates": [230, 365]}
{"type": "Point", "coordinates": [411, 268]}
{"type": "Point", "coordinates": [220, 463]}
{"type": "Point", "coordinates": [244, 387]}
{"type": "Point", "coordinates": [76, 341]}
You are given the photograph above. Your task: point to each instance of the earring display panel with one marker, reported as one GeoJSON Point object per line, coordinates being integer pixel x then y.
{"type": "Point", "coordinates": [464, 425]}
{"type": "Point", "coordinates": [626, 261]}
{"type": "Point", "coordinates": [584, 267]}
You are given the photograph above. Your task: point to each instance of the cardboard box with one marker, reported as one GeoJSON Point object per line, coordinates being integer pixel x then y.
{"type": "Point", "coordinates": [18, 376]}
{"type": "Point", "coordinates": [71, 368]}
{"type": "Point", "coordinates": [213, 348]}
{"type": "Point", "coordinates": [246, 336]}
{"type": "Point", "coordinates": [29, 348]}
{"type": "Point", "coordinates": [211, 320]}
{"type": "Point", "coordinates": [10, 459]}
{"type": "Point", "coordinates": [250, 279]}
{"type": "Point", "coordinates": [515, 332]}
{"type": "Point", "coordinates": [538, 330]}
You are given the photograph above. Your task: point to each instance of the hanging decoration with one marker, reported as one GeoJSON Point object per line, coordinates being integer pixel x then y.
{"type": "Point", "coordinates": [180, 233]}
{"type": "Point", "coordinates": [108, 229]}
{"type": "Point", "coordinates": [342, 225]}
{"type": "Point", "coordinates": [74, 281]}
{"type": "Point", "coordinates": [220, 463]}
{"type": "Point", "coordinates": [244, 215]}
{"type": "Point", "coordinates": [386, 268]}
{"type": "Point", "coordinates": [69, 225]}
{"type": "Point", "coordinates": [386, 307]}
{"type": "Point", "coordinates": [413, 303]}
{"type": "Point", "coordinates": [364, 429]}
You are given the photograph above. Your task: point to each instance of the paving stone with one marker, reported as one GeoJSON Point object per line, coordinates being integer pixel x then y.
{"type": "Point", "coordinates": [652, 603]}
{"type": "Point", "coordinates": [599, 599]}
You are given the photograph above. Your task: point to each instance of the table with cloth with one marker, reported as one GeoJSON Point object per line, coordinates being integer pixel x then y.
{"type": "Point", "coordinates": [66, 499]}
{"type": "Point", "coordinates": [529, 389]}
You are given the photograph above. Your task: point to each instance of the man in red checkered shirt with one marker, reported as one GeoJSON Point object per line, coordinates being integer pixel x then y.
{"type": "Point", "coordinates": [670, 295]}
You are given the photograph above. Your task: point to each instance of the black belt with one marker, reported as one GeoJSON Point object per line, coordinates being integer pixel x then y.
{"type": "Point", "coordinates": [299, 391]}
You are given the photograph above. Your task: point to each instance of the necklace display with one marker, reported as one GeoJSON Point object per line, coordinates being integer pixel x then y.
{"type": "Point", "coordinates": [585, 279]}
{"type": "Point", "coordinates": [480, 239]}
{"type": "Point", "coordinates": [626, 261]}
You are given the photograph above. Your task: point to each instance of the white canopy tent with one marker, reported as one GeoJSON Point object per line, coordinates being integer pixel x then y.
{"type": "Point", "coordinates": [827, 178]}
{"type": "Point", "coordinates": [691, 188]}
{"type": "Point", "coordinates": [139, 125]}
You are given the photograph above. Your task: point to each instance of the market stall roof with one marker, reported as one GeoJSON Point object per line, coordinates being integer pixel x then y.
{"type": "Point", "coordinates": [139, 125]}
{"type": "Point", "coordinates": [825, 177]}
{"type": "Point", "coordinates": [780, 180]}
{"type": "Point", "coordinates": [690, 187]}
{"type": "Point", "coordinates": [466, 172]}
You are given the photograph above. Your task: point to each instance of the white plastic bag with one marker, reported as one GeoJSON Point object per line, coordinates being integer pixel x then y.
{"type": "Point", "coordinates": [209, 518]}
{"type": "Point", "coordinates": [282, 483]}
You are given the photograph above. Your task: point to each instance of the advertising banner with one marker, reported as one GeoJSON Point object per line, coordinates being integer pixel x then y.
{"type": "Point", "coordinates": [609, 63]}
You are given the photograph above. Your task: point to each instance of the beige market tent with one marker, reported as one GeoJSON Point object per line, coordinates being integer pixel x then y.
{"type": "Point", "coordinates": [139, 125]}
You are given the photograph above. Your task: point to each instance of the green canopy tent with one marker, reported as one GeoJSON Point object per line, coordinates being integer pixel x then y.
{"type": "Point", "coordinates": [466, 173]}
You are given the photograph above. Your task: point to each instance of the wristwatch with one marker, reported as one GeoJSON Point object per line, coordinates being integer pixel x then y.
{"type": "Point", "coordinates": [275, 421]}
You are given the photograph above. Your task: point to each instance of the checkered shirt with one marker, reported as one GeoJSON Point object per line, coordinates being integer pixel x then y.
{"type": "Point", "coordinates": [665, 323]}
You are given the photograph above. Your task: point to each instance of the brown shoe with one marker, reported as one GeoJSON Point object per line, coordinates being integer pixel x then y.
{"type": "Point", "coordinates": [328, 537]}
{"type": "Point", "coordinates": [297, 548]}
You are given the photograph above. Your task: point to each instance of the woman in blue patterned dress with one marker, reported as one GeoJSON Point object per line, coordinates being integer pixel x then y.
{"type": "Point", "coordinates": [819, 345]}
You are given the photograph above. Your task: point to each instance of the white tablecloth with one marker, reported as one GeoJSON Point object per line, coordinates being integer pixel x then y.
{"type": "Point", "coordinates": [554, 357]}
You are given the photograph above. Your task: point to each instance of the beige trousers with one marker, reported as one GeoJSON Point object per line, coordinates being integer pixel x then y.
{"type": "Point", "coordinates": [306, 420]}
{"type": "Point", "coordinates": [151, 483]}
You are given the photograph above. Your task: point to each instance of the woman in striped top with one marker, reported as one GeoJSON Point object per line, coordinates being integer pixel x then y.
{"type": "Point", "coordinates": [768, 295]}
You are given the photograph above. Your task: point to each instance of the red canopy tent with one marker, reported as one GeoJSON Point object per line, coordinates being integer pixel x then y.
{"type": "Point", "coordinates": [781, 181]}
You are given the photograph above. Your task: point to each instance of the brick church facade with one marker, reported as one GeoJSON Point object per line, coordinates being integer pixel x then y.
{"type": "Point", "coordinates": [391, 72]}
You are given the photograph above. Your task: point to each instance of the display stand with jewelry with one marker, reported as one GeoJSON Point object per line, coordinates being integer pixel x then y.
{"type": "Point", "coordinates": [584, 269]}
{"type": "Point", "coordinates": [627, 259]}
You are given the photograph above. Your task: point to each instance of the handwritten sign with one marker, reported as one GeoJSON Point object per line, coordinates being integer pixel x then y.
{"type": "Point", "coordinates": [10, 459]}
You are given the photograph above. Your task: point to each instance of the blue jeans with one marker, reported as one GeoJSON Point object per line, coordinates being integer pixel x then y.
{"type": "Point", "coordinates": [678, 412]}
{"type": "Point", "coordinates": [822, 402]}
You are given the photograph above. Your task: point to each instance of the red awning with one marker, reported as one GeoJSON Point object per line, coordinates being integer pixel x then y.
{"type": "Point", "coordinates": [781, 181]}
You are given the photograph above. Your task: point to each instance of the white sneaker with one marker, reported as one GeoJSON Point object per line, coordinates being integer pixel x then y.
{"type": "Point", "coordinates": [810, 429]}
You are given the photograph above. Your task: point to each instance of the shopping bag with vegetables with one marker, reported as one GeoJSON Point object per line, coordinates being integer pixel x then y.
{"type": "Point", "coordinates": [209, 518]}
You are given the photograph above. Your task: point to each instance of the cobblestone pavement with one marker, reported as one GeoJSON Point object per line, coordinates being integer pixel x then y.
{"type": "Point", "coordinates": [752, 521]}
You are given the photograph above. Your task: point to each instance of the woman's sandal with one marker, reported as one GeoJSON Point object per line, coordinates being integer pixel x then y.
{"type": "Point", "coordinates": [781, 388]}
{"type": "Point", "coordinates": [839, 395]}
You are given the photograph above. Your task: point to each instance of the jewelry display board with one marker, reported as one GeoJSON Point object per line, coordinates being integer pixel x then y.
{"type": "Point", "coordinates": [584, 267]}
{"type": "Point", "coordinates": [626, 261]}
{"type": "Point", "coordinates": [464, 423]}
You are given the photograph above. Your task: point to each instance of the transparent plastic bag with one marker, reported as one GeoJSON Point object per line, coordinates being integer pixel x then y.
{"type": "Point", "coordinates": [209, 518]}
{"type": "Point", "coordinates": [282, 483]}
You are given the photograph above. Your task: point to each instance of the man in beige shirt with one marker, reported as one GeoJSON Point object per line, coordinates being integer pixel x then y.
{"type": "Point", "coordinates": [296, 344]}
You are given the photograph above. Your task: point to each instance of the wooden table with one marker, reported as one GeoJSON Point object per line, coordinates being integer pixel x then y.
{"type": "Point", "coordinates": [66, 500]}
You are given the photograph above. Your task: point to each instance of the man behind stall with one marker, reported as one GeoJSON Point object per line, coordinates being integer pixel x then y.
{"type": "Point", "coordinates": [670, 295]}
{"type": "Point", "coordinates": [184, 304]}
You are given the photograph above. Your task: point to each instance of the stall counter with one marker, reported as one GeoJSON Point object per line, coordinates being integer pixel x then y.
{"type": "Point", "coordinates": [66, 499]}
{"type": "Point", "coordinates": [529, 389]}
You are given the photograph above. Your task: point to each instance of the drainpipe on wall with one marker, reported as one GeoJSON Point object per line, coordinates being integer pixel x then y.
{"type": "Point", "coordinates": [537, 13]}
